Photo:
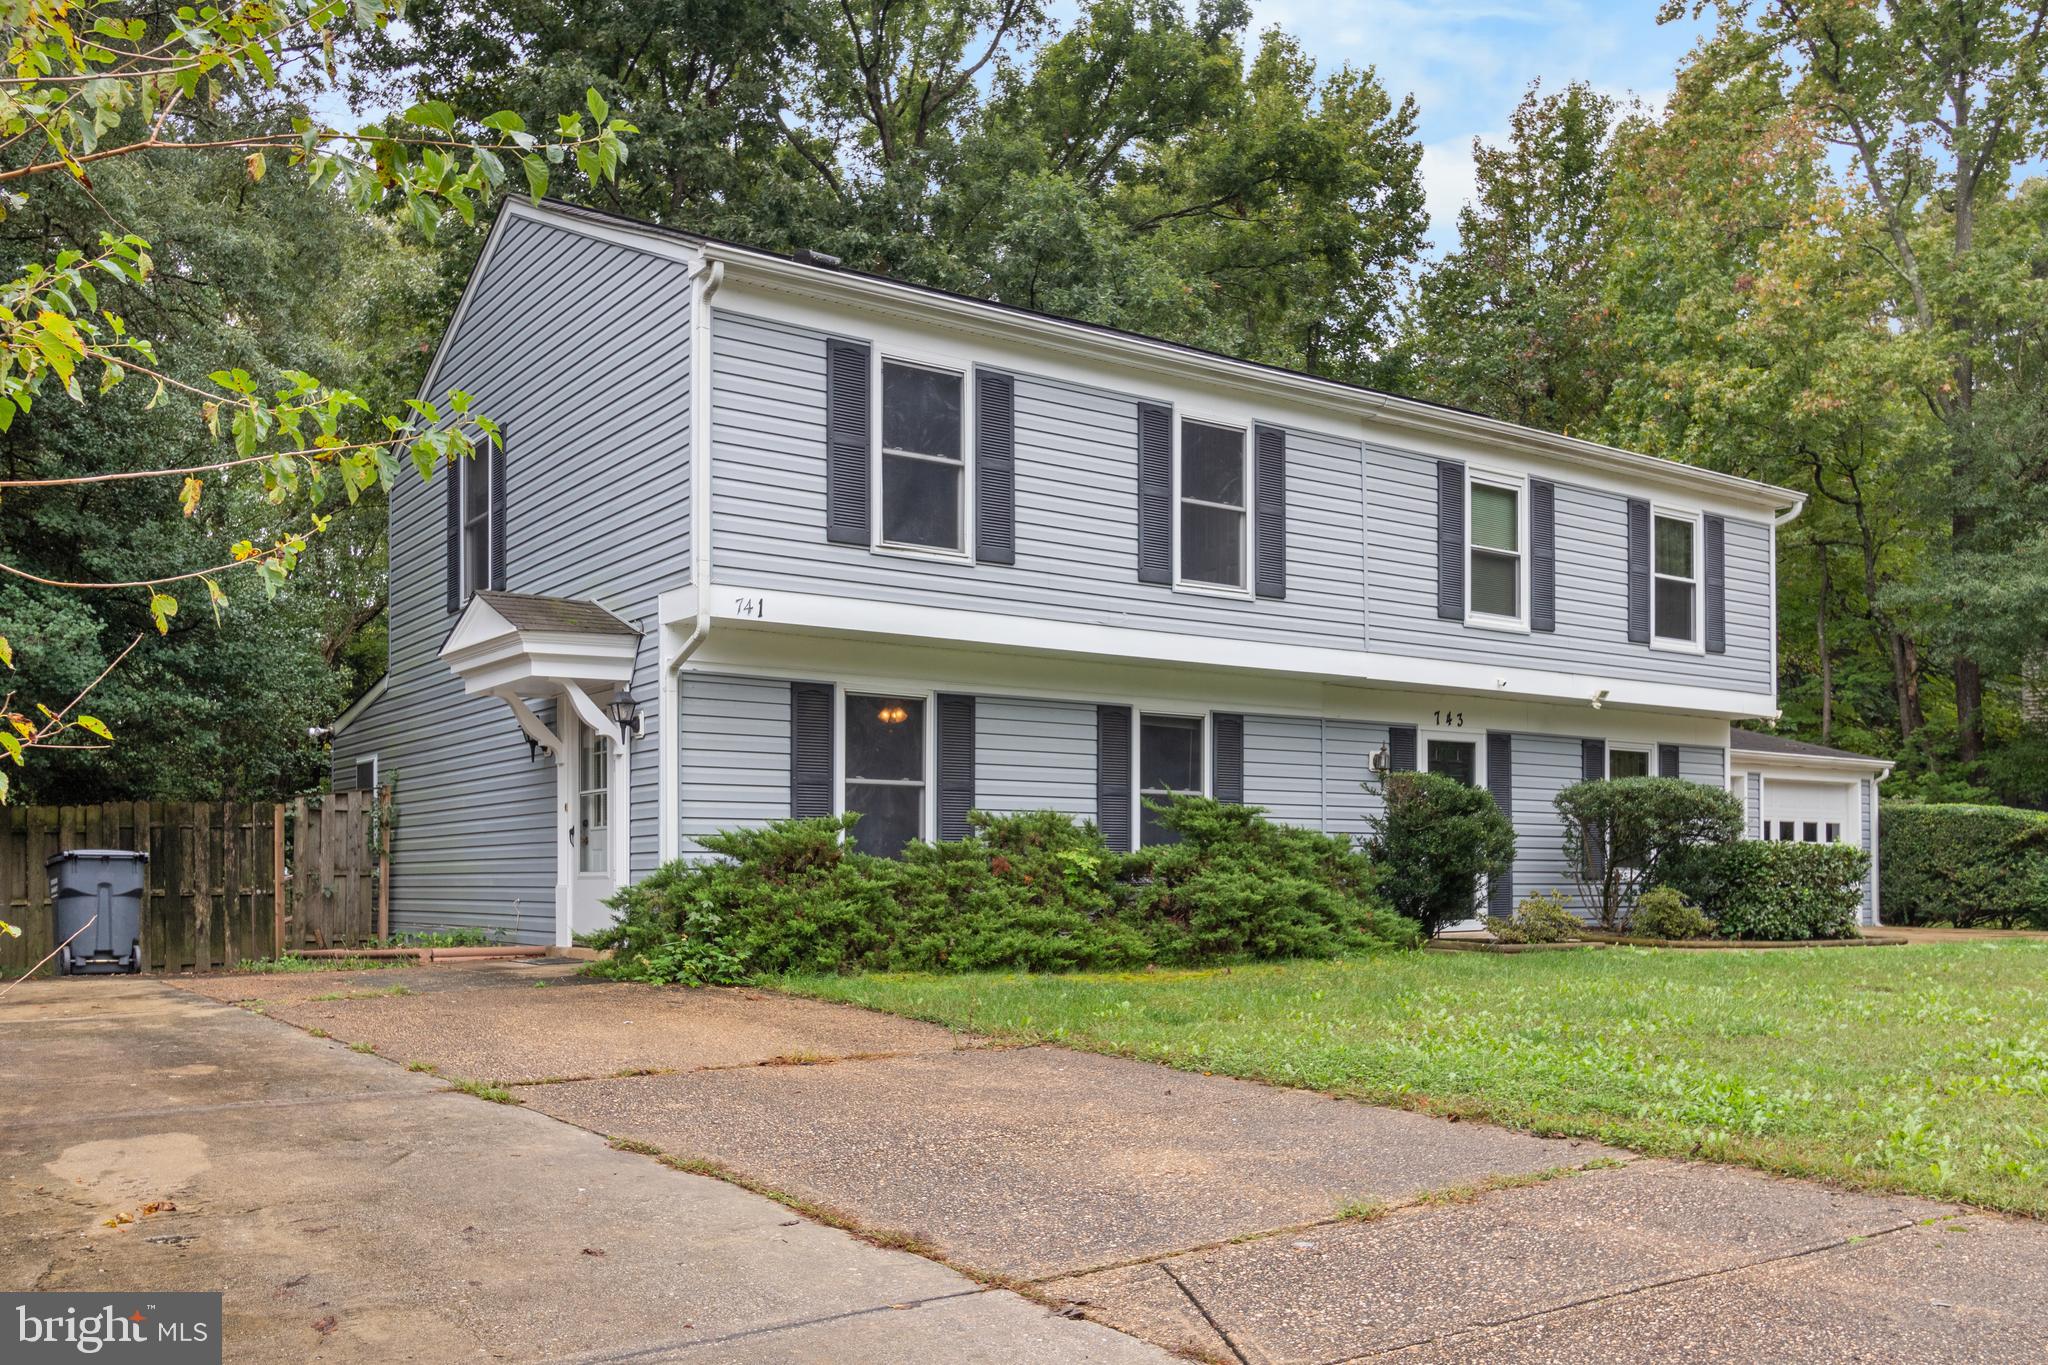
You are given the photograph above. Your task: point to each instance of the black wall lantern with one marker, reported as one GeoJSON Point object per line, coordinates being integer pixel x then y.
{"type": "Point", "coordinates": [624, 710]}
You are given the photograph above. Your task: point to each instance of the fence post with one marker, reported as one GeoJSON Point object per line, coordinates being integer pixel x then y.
{"type": "Point", "coordinates": [277, 882]}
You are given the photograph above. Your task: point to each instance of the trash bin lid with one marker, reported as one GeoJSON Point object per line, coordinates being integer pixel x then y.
{"type": "Point", "coordinates": [110, 853]}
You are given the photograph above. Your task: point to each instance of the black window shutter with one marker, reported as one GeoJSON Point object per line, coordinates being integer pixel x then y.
{"type": "Point", "coordinates": [1542, 555]}
{"type": "Point", "coordinates": [1113, 775]}
{"type": "Point", "coordinates": [1226, 739]}
{"type": "Point", "coordinates": [1155, 493]}
{"type": "Point", "coordinates": [1450, 540]}
{"type": "Point", "coordinates": [1667, 760]}
{"type": "Point", "coordinates": [1717, 585]}
{"type": "Point", "coordinates": [847, 447]}
{"type": "Point", "coordinates": [453, 472]}
{"type": "Point", "coordinates": [497, 532]}
{"type": "Point", "coordinates": [810, 750]}
{"type": "Point", "coordinates": [1500, 780]}
{"type": "Point", "coordinates": [956, 765]}
{"type": "Point", "coordinates": [1401, 748]}
{"type": "Point", "coordinates": [1593, 767]}
{"type": "Point", "coordinates": [1638, 571]}
{"type": "Point", "coordinates": [1269, 507]}
{"type": "Point", "coordinates": [995, 468]}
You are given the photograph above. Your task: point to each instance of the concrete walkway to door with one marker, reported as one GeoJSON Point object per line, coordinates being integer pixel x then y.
{"type": "Point", "coordinates": [1215, 1218]}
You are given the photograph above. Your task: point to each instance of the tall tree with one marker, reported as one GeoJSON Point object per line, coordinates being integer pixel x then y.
{"type": "Point", "coordinates": [1511, 323]}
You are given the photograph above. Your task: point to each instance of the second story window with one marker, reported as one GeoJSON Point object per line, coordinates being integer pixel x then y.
{"type": "Point", "coordinates": [476, 523]}
{"type": "Point", "coordinates": [1495, 589]}
{"type": "Point", "coordinates": [1213, 501]}
{"type": "Point", "coordinates": [1675, 582]}
{"type": "Point", "coordinates": [924, 473]}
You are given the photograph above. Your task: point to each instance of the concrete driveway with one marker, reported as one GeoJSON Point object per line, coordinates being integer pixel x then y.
{"type": "Point", "coordinates": [358, 1207]}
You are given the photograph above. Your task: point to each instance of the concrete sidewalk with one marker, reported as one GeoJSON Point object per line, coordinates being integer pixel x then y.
{"type": "Point", "coordinates": [353, 1210]}
{"type": "Point", "coordinates": [1218, 1219]}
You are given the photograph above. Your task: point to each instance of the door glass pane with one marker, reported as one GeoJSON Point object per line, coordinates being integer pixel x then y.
{"type": "Point", "coordinates": [1496, 584]}
{"type": "Point", "coordinates": [1211, 545]}
{"type": "Point", "coordinates": [920, 502]}
{"type": "Point", "coordinates": [1628, 763]}
{"type": "Point", "coordinates": [1169, 760]}
{"type": "Point", "coordinates": [1674, 547]}
{"type": "Point", "coordinates": [1812, 831]}
{"type": "Point", "coordinates": [1212, 463]}
{"type": "Point", "coordinates": [1455, 758]}
{"type": "Point", "coordinates": [885, 738]}
{"type": "Point", "coordinates": [1674, 610]}
{"type": "Point", "coordinates": [1785, 831]}
{"type": "Point", "coordinates": [1495, 523]}
{"type": "Point", "coordinates": [593, 804]}
{"type": "Point", "coordinates": [920, 411]}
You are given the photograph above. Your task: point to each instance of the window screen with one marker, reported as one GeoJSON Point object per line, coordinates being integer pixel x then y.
{"type": "Point", "coordinates": [1496, 551]}
{"type": "Point", "coordinates": [885, 771]}
{"type": "Point", "coordinates": [923, 474]}
{"type": "Point", "coordinates": [1212, 505]}
{"type": "Point", "coordinates": [1676, 581]}
{"type": "Point", "coordinates": [1169, 761]}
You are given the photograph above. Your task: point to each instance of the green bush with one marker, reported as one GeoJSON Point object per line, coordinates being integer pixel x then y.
{"type": "Point", "coordinates": [1543, 917]}
{"type": "Point", "coordinates": [1774, 891]}
{"type": "Point", "coordinates": [1664, 912]}
{"type": "Point", "coordinates": [1963, 865]}
{"type": "Point", "coordinates": [1619, 833]}
{"type": "Point", "coordinates": [1031, 892]}
{"type": "Point", "coordinates": [1433, 840]}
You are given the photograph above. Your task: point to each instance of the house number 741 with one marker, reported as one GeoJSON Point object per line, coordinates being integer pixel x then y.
{"type": "Point", "coordinates": [756, 607]}
{"type": "Point", "coordinates": [1454, 719]}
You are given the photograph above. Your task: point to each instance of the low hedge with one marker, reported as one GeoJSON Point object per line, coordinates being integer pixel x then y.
{"type": "Point", "coordinates": [1755, 889]}
{"type": "Point", "coordinates": [1031, 892]}
{"type": "Point", "coordinates": [1963, 865]}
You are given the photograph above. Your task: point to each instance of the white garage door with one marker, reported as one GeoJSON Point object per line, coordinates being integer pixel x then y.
{"type": "Point", "coordinates": [1809, 812]}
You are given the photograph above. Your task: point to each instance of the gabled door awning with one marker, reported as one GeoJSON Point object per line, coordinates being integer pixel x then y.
{"type": "Point", "coordinates": [517, 646]}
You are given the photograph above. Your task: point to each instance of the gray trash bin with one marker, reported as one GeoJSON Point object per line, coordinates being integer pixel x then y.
{"type": "Point", "coordinates": [104, 886]}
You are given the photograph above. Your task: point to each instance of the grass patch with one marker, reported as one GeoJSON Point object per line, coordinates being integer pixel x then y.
{"type": "Point", "coordinates": [484, 1090]}
{"type": "Point", "coordinates": [427, 1067]}
{"type": "Point", "coordinates": [292, 962]}
{"type": "Point", "coordinates": [359, 995]}
{"type": "Point", "coordinates": [362, 1047]}
{"type": "Point", "coordinates": [1923, 1070]}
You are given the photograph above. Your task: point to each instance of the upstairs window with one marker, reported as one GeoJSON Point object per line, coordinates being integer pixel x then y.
{"type": "Point", "coordinates": [1497, 560]}
{"type": "Point", "coordinates": [476, 522]}
{"type": "Point", "coordinates": [924, 471]}
{"type": "Point", "coordinates": [1213, 499]}
{"type": "Point", "coordinates": [1169, 764]}
{"type": "Point", "coordinates": [1674, 585]}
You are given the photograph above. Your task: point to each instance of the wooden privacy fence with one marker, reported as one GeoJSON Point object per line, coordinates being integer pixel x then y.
{"type": "Point", "coordinates": [211, 887]}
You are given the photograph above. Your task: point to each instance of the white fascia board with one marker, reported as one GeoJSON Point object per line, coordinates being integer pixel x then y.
{"type": "Point", "coordinates": [1092, 347]}
{"type": "Point", "coordinates": [843, 616]}
{"type": "Point", "coordinates": [1825, 766]}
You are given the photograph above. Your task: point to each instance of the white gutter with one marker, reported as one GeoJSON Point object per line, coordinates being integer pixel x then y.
{"type": "Point", "coordinates": [704, 283]}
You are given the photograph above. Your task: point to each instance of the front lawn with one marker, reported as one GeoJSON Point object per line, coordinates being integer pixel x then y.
{"type": "Point", "coordinates": [1921, 1069]}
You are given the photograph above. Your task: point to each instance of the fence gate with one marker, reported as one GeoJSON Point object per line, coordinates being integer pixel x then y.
{"type": "Point", "coordinates": [209, 890]}
{"type": "Point", "coordinates": [339, 875]}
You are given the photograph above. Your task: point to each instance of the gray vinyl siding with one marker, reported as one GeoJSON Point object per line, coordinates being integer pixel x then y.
{"type": "Point", "coordinates": [1283, 768]}
{"type": "Point", "coordinates": [1034, 755]}
{"type": "Point", "coordinates": [1592, 587]}
{"type": "Point", "coordinates": [733, 755]}
{"type": "Point", "coordinates": [1704, 764]}
{"type": "Point", "coordinates": [1076, 506]}
{"type": "Point", "coordinates": [1350, 799]}
{"type": "Point", "coordinates": [1544, 766]}
{"type": "Point", "coordinates": [591, 386]}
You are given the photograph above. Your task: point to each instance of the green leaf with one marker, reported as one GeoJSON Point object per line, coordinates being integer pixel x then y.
{"type": "Point", "coordinates": [6, 651]}
{"type": "Point", "coordinates": [12, 746]}
{"type": "Point", "coordinates": [433, 114]}
{"type": "Point", "coordinates": [594, 102]}
{"type": "Point", "coordinates": [536, 177]}
{"type": "Point", "coordinates": [94, 725]}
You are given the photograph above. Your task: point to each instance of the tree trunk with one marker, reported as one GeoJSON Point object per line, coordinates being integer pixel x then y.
{"type": "Point", "coordinates": [1906, 678]}
{"type": "Point", "coordinates": [1827, 663]}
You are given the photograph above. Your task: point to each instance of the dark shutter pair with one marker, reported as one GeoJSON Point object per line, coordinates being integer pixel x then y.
{"type": "Point", "coordinates": [1500, 781]}
{"type": "Point", "coordinates": [849, 417]}
{"type": "Point", "coordinates": [811, 718]}
{"type": "Point", "coordinates": [1714, 576]}
{"type": "Point", "coordinates": [1451, 542]}
{"type": "Point", "coordinates": [490, 460]}
{"type": "Point", "coordinates": [1155, 503]}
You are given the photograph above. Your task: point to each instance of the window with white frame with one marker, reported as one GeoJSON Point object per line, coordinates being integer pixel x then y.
{"type": "Point", "coordinates": [1625, 762]}
{"type": "Point", "coordinates": [1495, 586]}
{"type": "Point", "coordinates": [593, 803]}
{"type": "Point", "coordinates": [1169, 764]}
{"type": "Point", "coordinates": [1457, 759]}
{"type": "Point", "coordinates": [1214, 495]}
{"type": "Point", "coordinates": [924, 468]}
{"type": "Point", "coordinates": [475, 473]}
{"type": "Point", "coordinates": [884, 766]}
{"type": "Point", "coordinates": [1674, 582]}
{"type": "Point", "coordinates": [366, 773]}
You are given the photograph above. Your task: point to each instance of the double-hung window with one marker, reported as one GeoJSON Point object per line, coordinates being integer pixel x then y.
{"type": "Point", "coordinates": [475, 473]}
{"type": "Point", "coordinates": [884, 768]}
{"type": "Point", "coordinates": [1495, 585]}
{"type": "Point", "coordinates": [1169, 764]}
{"type": "Point", "coordinates": [1674, 583]}
{"type": "Point", "coordinates": [1214, 496]}
{"type": "Point", "coordinates": [924, 469]}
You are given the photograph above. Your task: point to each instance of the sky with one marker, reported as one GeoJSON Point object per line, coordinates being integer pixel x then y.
{"type": "Point", "coordinates": [1467, 63]}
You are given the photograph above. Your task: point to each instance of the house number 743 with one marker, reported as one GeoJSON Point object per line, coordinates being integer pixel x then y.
{"type": "Point", "coordinates": [1454, 719]}
{"type": "Point", "coordinates": [756, 607]}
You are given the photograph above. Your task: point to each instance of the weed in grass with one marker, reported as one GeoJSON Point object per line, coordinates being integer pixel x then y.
{"type": "Point", "coordinates": [319, 1033]}
{"type": "Point", "coordinates": [1364, 1210]}
{"type": "Point", "coordinates": [625, 1144]}
{"type": "Point", "coordinates": [362, 1047]}
{"type": "Point", "coordinates": [484, 1090]}
{"type": "Point", "coordinates": [427, 1067]}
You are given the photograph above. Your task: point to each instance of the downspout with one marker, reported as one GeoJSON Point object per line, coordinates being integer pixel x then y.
{"type": "Point", "coordinates": [704, 283]}
{"type": "Point", "coordinates": [1778, 523]}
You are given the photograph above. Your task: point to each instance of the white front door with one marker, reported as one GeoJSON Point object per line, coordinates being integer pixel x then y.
{"type": "Point", "coordinates": [590, 816]}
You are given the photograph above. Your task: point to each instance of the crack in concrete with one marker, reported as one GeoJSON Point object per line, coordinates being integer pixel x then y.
{"type": "Point", "coordinates": [683, 1345]}
{"type": "Point", "coordinates": [177, 1110]}
{"type": "Point", "coordinates": [1203, 1309]}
